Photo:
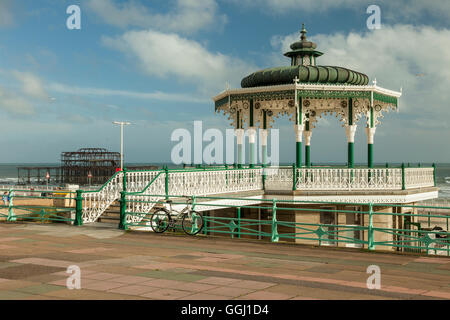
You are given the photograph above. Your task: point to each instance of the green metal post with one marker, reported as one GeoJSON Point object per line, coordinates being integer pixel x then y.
{"type": "Point", "coordinates": [275, 236]}
{"type": "Point", "coordinates": [240, 156]}
{"type": "Point", "coordinates": [194, 202]}
{"type": "Point", "coordinates": [124, 180]}
{"type": "Point", "coordinates": [350, 154]}
{"type": "Point", "coordinates": [123, 208]}
{"type": "Point", "coordinates": [371, 245]}
{"type": "Point", "coordinates": [298, 154]}
{"type": "Point", "coordinates": [252, 155]}
{"type": "Point", "coordinates": [308, 156]}
{"type": "Point", "coordinates": [239, 221]}
{"type": "Point", "coordinates": [11, 215]}
{"type": "Point", "coordinates": [264, 154]}
{"type": "Point", "coordinates": [434, 175]}
{"type": "Point", "coordinates": [194, 228]}
{"type": "Point", "coordinates": [263, 176]}
{"type": "Point", "coordinates": [226, 174]}
{"type": "Point", "coordinates": [370, 155]}
{"type": "Point", "coordinates": [205, 227]}
{"type": "Point", "coordinates": [403, 177]}
{"type": "Point", "coordinates": [79, 208]}
{"type": "Point", "coordinates": [166, 183]}
{"type": "Point", "coordinates": [294, 177]}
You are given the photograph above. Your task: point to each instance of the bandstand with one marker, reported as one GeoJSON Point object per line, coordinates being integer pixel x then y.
{"type": "Point", "coordinates": [305, 91]}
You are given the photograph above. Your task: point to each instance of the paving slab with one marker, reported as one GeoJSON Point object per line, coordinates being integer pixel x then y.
{"type": "Point", "coordinates": [143, 265]}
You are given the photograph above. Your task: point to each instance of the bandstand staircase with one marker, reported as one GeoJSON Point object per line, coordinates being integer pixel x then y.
{"type": "Point", "coordinates": [111, 214]}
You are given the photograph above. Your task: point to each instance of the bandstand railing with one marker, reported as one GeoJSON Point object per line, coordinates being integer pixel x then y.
{"type": "Point", "coordinates": [223, 180]}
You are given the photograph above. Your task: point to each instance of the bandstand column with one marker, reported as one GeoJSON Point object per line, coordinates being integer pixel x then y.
{"type": "Point", "coordinates": [298, 127]}
{"type": "Point", "coordinates": [263, 136]}
{"type": "Point", "coordinates": [252, 141]}
{"type": "Point", "coordinates": [298, 148]}
{"type": "Point", "coordinates": [240, 141]}
{"type": "Point", "coordinates": [370, 135]}
{"type": "Point", "coordinates": [307, 134]}
{"type": "Point", "coordinates": [350, 131]}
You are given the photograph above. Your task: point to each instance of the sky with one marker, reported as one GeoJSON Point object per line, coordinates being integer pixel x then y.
{"type": "Point", "coordinates": [157, 64]}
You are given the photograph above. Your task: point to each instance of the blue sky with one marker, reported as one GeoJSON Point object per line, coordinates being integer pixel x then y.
{"type": "Point", "coordinates": [158, 63]}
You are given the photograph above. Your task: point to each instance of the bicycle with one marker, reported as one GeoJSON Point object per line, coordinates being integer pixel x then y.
{"type": "Point", "coordinates": [163, 219]}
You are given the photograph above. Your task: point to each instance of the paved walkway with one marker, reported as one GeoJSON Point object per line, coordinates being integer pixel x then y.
{"type": "Point", "coordinates": [142, 265]}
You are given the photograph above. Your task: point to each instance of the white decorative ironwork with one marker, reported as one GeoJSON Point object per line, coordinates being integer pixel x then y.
{"type": "Point", "coordinates": [349, 179]}
{"type": "Point", "coordinates": [278, 179]}
{"type": "Point", "coordinates": [329, 179]}
{"type": "Point", "coordinates": [96, 202]}
{"type": "Point", "coordinates": [419, 177]}
{"type": "Point", "coordinates": [216, 182]}
{"type": "Point", "coordinates": [210, 182]}
{"type": "Point", "coordinates": [139, 205]}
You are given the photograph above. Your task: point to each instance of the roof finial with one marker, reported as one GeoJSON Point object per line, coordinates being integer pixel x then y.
{"type": "Point", "coordinates": [303, 32]}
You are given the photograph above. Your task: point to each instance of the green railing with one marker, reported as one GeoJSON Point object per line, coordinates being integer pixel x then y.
{"type": "Point", "coordinates": [38, 205]}
{"type": "Point", "coordinates": [301, 222]}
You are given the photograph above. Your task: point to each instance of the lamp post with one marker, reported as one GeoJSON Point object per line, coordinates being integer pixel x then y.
{"type": "Point", "coordinates": [121, 123]}
{"type": "Point", "coordinates": [47, 176]}
{"type": "Point", "coordinates": [90, 177]}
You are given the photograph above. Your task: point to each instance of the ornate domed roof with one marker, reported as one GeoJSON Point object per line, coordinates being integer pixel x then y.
{"type": "Point", "coordinates": [303, 66]}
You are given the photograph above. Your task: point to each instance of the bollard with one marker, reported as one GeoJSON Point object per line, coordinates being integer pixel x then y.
{"type": "Point", "coordinates": [79, 208]}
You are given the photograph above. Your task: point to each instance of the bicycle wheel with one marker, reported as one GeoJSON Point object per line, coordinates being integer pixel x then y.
{"type": "Point", "coordinates": [160, 221]}
{"type": "Point", "coordinates": [192, 222]}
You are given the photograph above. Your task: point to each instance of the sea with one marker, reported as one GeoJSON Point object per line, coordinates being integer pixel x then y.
{"type": "Point", "coordinates": [9, 174]}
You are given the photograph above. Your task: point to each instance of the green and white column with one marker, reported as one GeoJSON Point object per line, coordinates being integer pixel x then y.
{"type": "Point", "coordinates": [252, 135]}
{"type": "Point", "coordinates": [252, 140]}
{"type": "Point", "coordinates": [350, 131]}
{"type": "Point", "coordinates": [298, 127]}
{"type": "Point", "coordinates": [263, 133]}
{"type": "Point", "coordinates": [240, 149]}
{"type": "Point", "coordinates": [370, 135]}
{"type": "Point", "coordinates": [308, 134]}
{"type": "Point", "coordinates": [298, 142]}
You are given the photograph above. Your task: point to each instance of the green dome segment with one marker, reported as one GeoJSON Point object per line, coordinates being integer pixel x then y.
{"type": "Point", "coordinates": [305, 74]}
{"type": "Point", "coordinates": [303, 66]}
{"type": "Point", "coordinates": [303, 52]}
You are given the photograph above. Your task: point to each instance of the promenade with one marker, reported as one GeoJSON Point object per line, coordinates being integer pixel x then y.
{"type": "Point", "coordinates": [141, 265]}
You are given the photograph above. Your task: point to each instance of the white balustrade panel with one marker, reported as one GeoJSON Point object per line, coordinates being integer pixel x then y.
{"type": "Point", "coordinates": [95, 203]}
{"type": "Point", "coordinates": [419, 177]}
{"type": "Point", "coordinates": [140, 205]}
{"type": "Point", "coordinates": [278, 179]}
{"type": "Point", "coordinates": [349, 179]}
{"type": "Point", "coordinates": [214, 181]}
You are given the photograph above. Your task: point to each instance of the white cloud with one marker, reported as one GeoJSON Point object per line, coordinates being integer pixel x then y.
{"type": "Point", "coordinates": [24, 94]}
{"type": "Point", "coordinates": [31, 85]}
{"type": "Point", "coordinates": [6, 16]}
{"type": "Point", "coordinates": [393, 10]}
{"type": "Point", "coordinates": [14, 103]}
{"type": "Point", "coordinates": [169, 55]}
{"type": "Point", "coordinates": [186, 16]}
{"type": "Point", "coordinates": [157, 95]}
{"type": "Point", "coordinates": [395, 56]}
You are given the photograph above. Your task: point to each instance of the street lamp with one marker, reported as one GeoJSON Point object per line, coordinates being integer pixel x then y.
{"type": "Point", "coordinates": [121, 123]}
